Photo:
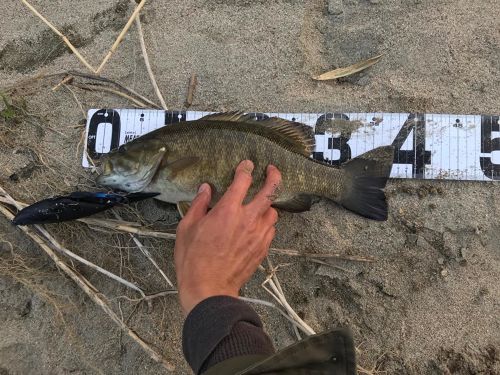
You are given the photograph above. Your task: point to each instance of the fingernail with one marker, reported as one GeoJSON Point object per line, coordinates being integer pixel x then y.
{"type": "Point", "coordinates": [248, 165]}
{"type": "Point", "coordinates": [271, 167]}
{"type": "Point", "coordinates": [203, 188]}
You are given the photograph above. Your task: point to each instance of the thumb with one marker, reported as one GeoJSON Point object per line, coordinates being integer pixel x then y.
{"type": "Point", "coordinates": [199, 205]}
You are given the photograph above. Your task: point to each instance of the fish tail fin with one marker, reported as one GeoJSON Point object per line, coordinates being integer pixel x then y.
{"type": "Point", "coordinates": [367, 176]}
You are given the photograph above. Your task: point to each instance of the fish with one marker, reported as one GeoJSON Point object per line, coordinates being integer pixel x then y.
{"type": "Point", "coordinates": [176, 159]}
{"type": "Point", "coordinates": [73, 206]}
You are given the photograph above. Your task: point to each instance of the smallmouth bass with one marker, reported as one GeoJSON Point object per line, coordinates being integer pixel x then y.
{"type": "Point", "coordinates": [176, 159]}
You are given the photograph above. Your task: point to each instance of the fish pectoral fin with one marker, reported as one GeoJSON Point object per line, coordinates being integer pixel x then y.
{"type": "Point", "coordinates": [183, 207]}
{"type": "Point", "coordinates": [299, 203]}
{"type": "Point", "coordinates": [180, 164]}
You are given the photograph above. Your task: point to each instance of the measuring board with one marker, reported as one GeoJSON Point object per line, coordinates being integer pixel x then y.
{"type": "Point", "coordinates": [427, 146]}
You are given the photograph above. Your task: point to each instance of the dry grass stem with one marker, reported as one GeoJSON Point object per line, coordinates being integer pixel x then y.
{"type": "Point", "coordinates": [147, 254]}
{"type": "Point", "coordinates": [57, 246]}
{"type": "Point", "coordinates": [65, 40]}
{"type": "Point", "coordinates": [272, 305]}
{"type": "Point", "coordinates": [117, 84]}
{"type": "Point", "coordinates": [348, 70]}
{"type": "Point", "coordinates": [84, 114]}
{"type": "Point", "coordinates": [64, 81]}
{"type": "Point", "coordinates": [131, 227]}
{"type": "Point", "coordinates": [295, 253]}
{"type": "Point", "coordinates": [121, 36]}
{"type": "Point", "coordinates": [278, 292]}
{"type": "Point", "coordinates": [91, 87]}
{"type": "Point", "coordinates": [70, 254]}
{"type": "Point", "coordinates": [148, 65]}
{"type": "Point", "coordinates": [87, 287]}
{"type": "Point", "coordinates": [128, 228]}
{"type": "Point", "coordinates": [151, 296]}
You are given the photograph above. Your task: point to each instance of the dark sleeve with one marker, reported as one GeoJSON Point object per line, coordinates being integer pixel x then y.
{"type": "Point", "coordinates": [219, 328]}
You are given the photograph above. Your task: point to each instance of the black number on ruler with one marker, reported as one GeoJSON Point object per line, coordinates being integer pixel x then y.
{"type": "Point", "coordinates": [418, 157]}
{"type": "Point", "coordinates": [489, 124]}
{"type": "Point", "coordinates": [174, 116]}
{"type": "Point", "coordinates": [334, 143]}
{"type": "Point", "coordinates": [103, 116]}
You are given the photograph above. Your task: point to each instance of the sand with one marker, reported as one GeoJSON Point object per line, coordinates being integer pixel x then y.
{"type": "Point", "coordinates": [430, 303]}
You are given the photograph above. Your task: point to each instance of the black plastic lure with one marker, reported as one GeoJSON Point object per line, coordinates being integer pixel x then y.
{"type": "Point", "coordinates": [74, 206]}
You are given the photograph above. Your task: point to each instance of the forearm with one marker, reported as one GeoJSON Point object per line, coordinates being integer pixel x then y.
{"type": "Point", "coordinates": [220, 328]}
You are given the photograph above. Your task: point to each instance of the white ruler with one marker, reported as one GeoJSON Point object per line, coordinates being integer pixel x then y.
{"type": "Point", "coordinates": [428, 146]}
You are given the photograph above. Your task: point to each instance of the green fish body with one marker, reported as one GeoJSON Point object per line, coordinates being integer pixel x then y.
{"type": "Point", "coordinates": [176, 159]}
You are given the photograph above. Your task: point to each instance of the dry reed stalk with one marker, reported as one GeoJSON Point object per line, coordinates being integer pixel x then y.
{"type": "Point", "coordinates": [65, 40]}
{"type": "Point", "coordinates": [88, 288]}
{"type": "Point", "coordinates": [120, 36]}
{"type": "Point", "coordinates": [148, 65]}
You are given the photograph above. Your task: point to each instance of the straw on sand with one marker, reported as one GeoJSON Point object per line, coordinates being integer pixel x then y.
{"type": "Point", "coordinates": [90, 290]}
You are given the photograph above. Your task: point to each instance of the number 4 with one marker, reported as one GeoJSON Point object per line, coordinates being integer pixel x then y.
{"type": "Point", "coordinates": [418, 157]}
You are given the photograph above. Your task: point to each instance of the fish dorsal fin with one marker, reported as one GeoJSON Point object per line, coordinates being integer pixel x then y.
{"type": "Point", "coordinates": [233, 116]}
{"type": "Point", "coordinates": [292, 135]}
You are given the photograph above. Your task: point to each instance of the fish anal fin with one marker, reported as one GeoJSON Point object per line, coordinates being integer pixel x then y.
{"type": "Point", "coordinates": [299, 203]}
{"type": "Point", "coordinates": [183, 207]}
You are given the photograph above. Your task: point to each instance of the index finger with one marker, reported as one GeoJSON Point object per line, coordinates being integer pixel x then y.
{"type": "Point", "coordinates": [265, 197]}
{"type": "Point", "coordinates": [242, 181]}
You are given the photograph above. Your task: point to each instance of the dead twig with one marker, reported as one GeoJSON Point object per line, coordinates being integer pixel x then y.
{"type": "Point", "coordinates": [192, 86]}
{"type": "Point", "coordinates": [148, 65]}
{"type": "Point", "coordinates": [120, 36]}
{"type": "Point", "coordinates": [65, 40]}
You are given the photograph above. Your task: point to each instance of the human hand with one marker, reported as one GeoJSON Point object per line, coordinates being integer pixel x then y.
{"type": "Point", "coordinates": [217, 252]}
